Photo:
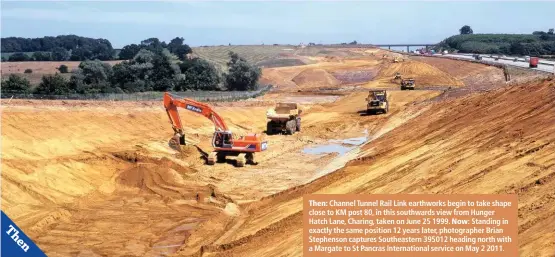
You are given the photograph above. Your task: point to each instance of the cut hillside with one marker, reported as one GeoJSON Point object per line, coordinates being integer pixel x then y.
{"type": "Point", "coordinates": [457, 69]}
{"type": "Point", "coordinates": [489, 143]}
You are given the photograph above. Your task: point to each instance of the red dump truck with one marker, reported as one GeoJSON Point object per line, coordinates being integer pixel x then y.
{"type": "Point", "coordinates": [534, 62]}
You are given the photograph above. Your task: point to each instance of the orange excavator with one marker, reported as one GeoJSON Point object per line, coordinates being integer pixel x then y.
{"type": "Point", "coordinates": [223, 141]}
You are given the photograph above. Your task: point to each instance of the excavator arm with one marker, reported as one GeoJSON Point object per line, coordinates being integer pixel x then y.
{"type": "Point", "coordinates": [171, 104]}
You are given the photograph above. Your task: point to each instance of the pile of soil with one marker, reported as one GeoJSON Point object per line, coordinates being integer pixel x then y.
{"type": "Point", "coordinates": [315, 78]}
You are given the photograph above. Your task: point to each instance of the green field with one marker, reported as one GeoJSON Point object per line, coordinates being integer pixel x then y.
{"type": "Point", "coordinates": [218, 55]}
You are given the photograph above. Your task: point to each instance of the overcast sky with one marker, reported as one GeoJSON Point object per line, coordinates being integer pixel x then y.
{"type": "Point", "coordinates": [215, 23]}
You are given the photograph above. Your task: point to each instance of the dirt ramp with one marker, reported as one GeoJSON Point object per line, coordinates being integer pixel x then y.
{"type": "Point", "coordinates": [315, 78]}
{"type": "Point", "coordinates": [425, 74]}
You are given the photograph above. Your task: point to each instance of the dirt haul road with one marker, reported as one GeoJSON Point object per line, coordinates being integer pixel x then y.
{"type": "Point", "coordinates": [98, 178]}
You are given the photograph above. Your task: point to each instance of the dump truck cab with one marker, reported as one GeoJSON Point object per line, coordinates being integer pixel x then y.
{"type": "Point", "coordinates": [377, 102]}
{"type": "Point", "coordinates": [285, 117]}
{"type": "Point", "coordinates": [407, 84]}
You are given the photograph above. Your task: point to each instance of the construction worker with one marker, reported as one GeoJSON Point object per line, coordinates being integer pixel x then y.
{"type": "Point", "coordinates": [506, 73]}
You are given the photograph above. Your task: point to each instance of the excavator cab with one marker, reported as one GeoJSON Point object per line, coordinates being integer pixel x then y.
{"type": "Point", "coordinates": [223, 139]}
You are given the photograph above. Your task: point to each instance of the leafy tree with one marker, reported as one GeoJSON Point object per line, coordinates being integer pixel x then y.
{"type": "Point", "coordinates": [182, 51]}
{"type": "Point", "coordinates": [59, 54]}
{"type": "Point", "coordinates": [15, 85]}
{"type": "Point", "coordinates": [163, 71]}
{"type": "Point", "coordinates": [550, 32]}
{"type": "Point", "coordinates": [241, 75]}
{"type": "Point", "coordinates": [198, 74]}
{"type": "Point", "coordinates": [92, 77]}
{"type": "Point", "coordinates": [81, 54]}
{"type": "Point", "coordinates": [42, 56]}
{"type": "Point", "coordinates": [147, 71]}
{"type": "Point", "coordinates": [465, 30]}
{"type": "Point", "coordinates": [353, 43]}
{"type": "Point", "coordinates": [144, 56]}
{"type": "Point", "coordinates": [53, 85]}
{"type": "Point", "coordinates": [234, 58]}
{"type": "Point", "coordinates": [63, 68]}
{"type": "Point", "coordinates": [177, 47]}
{"type": "Point", "coordinates": [152, 44]}
{"type": "Point", "coordinates": [19, 57]}
{"type": "Point", "coordinates": [95, 71]}
{"type": "Point", "coordinates": [174, 43]}
{"type": "Point", "coordinates": [129, 51]}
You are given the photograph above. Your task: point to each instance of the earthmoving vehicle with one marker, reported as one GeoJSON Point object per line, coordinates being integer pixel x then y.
{"type": "Point", "coordinates": [223, 141]}
{"type": "Point", "coordinates": [285, 117]}
{"type": "Point", "coordinates": [397, 76]}
{"type": "Point", "coordinates": [534, 62]}
{"type": "Point", "coordinates": [407, 84]}
{"type": "Point", "coordinates": [377, 101]}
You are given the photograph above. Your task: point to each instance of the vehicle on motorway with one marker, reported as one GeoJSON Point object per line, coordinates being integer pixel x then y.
{"type": "Point", "coordinates": [477, 57]}
{"type": "Point", "coordinates": [534, 62]}
{"type": "Point", "coordinates": [527, 58]}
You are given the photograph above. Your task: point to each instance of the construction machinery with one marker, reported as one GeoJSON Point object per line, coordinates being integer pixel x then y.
{"type": "Point", "coordinates": [377, 102]}
{"type": "Point", "coordinates": [223, 141]}
{"type": "Point", "coordinates": [407, 84]}
{"type": "Point", "coordinates": [285, 117]}
{"type": "Point", "coordinates": [477, 57]}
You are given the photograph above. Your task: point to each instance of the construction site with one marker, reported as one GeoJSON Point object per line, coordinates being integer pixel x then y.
{"type": "Point", "coordinates": [152, 178]}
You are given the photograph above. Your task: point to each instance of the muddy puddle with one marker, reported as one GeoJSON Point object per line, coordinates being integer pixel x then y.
{"type": "Point", "coordinates": [340, 146]}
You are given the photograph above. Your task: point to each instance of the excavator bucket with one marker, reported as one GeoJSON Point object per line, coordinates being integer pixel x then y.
{"type": "Point", "coordinates": [177, 141]}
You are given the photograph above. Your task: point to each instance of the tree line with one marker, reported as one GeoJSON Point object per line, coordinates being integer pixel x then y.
{"type": "Point", "coordinates": [76, 48]}
{"type": "Point", "coordinates": [535, 44]}
{"type": "Point", "coordinates": [59, 48]}
{"type": "Point", "coordinates": [152, 69]}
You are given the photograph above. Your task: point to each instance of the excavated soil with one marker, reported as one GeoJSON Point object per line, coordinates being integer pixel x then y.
{"type": "Point", "coordinates": [90, 178]}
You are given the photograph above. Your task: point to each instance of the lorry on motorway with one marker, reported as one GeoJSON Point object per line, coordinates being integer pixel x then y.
{"type": "Point", "coordinates": [534, 62]}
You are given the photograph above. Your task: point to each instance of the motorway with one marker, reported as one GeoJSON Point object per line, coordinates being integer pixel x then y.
{"type": "Point", "coordinates": [544, 65]}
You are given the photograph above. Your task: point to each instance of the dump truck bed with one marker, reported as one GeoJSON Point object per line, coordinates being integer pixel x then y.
{"type": "Point", "coordinates": [282, 111]}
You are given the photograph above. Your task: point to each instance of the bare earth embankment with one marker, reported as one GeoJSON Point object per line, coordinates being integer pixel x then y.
{"type": "Point", "coordinates": [86, 178]}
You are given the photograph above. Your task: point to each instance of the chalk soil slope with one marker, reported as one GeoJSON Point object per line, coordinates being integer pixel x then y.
{"type": "Point", "coordinates": [98, 178]}
{"type": "Point", "coordinates": [497, 142]}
